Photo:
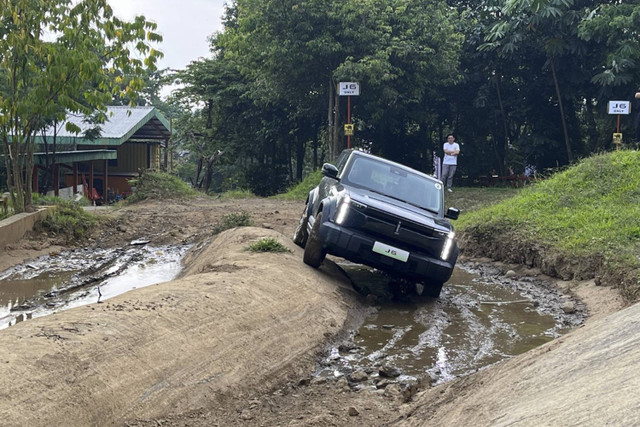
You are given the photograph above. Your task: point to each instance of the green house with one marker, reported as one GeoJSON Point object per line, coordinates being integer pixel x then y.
{"type": "Point", "coordinates": [131, 140]}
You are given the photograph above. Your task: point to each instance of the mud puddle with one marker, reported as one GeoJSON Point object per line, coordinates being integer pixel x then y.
{"type": "Point", "coordinates": [83, 276]}
{"type": "Point", "coordinates": [481, 317]}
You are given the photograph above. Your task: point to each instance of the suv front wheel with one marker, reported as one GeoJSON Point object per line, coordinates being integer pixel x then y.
{"type": "Point", "coordinates": [314, 253]}
{"type": "Point", "coordinates": [300, 235]}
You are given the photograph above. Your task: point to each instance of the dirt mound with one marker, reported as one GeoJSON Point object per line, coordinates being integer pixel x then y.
{"type": "Point", "coordinates": [235, 322]}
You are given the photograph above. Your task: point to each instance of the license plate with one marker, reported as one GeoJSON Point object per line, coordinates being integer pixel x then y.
{"type": "Point", "coordinates": [390, 251]}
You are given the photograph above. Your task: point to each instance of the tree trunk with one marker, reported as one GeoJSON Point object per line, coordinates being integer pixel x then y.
{"type": "Point", "coordinates": [337, 147]}
{"type": "Point", "coordinates": [330, 117]}
{"type": "Point", "coordinates": [503, 166]}
{"type": "Point", "coordinates": [562, 116]}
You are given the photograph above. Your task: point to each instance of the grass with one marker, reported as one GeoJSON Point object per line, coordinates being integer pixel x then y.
{"type": "Point", "coordinates": [268, 244]}
{"type": "Point", "coordinates": [236, 194]}
{"type": "Point", "coordinates": [159, 186]}
{"type": "Point", "coordinates": [469, 199]}
{"type": "Point", "coordinates": [233, 220]}
{"type": "Point", "coordinates": [301, 191]}
{"type": "Point", "coordinates": [589, 210]}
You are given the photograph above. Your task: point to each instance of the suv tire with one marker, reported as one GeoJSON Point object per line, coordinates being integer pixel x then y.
{"type": "Point", "coordinates": [300, 236]}
{"type": "Point", "coordinates": [313, 251]}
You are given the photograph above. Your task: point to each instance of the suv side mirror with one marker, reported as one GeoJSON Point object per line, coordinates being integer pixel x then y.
{"type": "Point", "coordinates": [452, 213]}
{"type": "Point", "coordinates": [330, 171]}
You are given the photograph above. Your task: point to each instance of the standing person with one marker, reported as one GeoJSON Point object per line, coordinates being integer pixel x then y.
{"type": "Point", "coordinates": [450, 162]}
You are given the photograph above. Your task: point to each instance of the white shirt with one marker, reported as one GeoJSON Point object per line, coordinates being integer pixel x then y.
{"type": "Point", "coordinates": [449, 159]}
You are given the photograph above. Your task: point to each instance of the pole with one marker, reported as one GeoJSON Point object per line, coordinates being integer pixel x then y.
{"type": "Point", "coordinates": [349, 119]}
{"type": "Point", "coordinates": [618, 124]}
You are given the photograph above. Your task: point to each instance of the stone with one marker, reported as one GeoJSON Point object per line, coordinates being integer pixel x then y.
{"type": "Point", "coordinates": [569, 307]}
{"type": "Point", "coordinates": [389, 371]}
{"type": "Point", "coordinates": [358, 376]}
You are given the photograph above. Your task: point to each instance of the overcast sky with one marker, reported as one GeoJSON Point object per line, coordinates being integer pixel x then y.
{"type": "Point", "coordinates": [184, 25]}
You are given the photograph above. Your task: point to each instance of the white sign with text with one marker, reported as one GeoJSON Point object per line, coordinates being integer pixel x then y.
{"type": "Point", "coordinates": [619, 107]}
{"type": "Point", "coordinates": [349, 89]}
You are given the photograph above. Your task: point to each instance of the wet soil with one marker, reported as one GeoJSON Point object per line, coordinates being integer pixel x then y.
{"type": "Point", "coordinates": [349, 359]}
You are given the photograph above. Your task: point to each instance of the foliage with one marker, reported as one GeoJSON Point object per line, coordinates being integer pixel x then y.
{"type": "Point", "coordinates": [40, 200]}
{"type": "Point", "coordinates": [59, 56]}
{"type": "Point", "coordinates": [69, 221]}
{"type": "Point", "coordinates": [469, 199]}
{"type": "Point", "coordinates": [592, 209]}
{"type": "Point", "coordinates": [236, 194]}
{"type": "Point", "coordinates": [268, 244]}
{"type": "Point", "coordinates": [301, 190]}
{"type": "Point", "coordinates": [519, 82]}
{"type": "Point", "coordinates": [159, 186]}
{"type": "Point", "coordinates": [233, 220]}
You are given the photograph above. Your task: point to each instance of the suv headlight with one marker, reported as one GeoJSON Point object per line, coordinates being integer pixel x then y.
{"type": "Point", "coordinates": [448, 245]}
{"type": "Point", "coordinates": [343, 209]}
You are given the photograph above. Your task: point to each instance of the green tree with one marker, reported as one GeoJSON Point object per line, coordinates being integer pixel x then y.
{"type": "Point", "coordinates": [59, 56]}
{"type": "Point", "coordinates": [547, 28]}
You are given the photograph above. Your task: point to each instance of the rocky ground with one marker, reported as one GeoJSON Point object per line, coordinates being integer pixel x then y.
{"type": "Point", "coordinates": [235, 339]}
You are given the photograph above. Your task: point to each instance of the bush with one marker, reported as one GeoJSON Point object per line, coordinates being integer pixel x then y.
{"type": "Point", "coordinates": [69, 221]}
{"type": "Point", "coordinates": [233, 220]}
{"type": "Point", "coordinates": [268, 244]}
{"type": "Point", "coordinates": [159, 186]}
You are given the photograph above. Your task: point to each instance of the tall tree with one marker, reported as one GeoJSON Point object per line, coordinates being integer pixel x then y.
{"type": "Point", "coordinates": [59, 56]}
{"type": "Point", "coordinates": [548, 27]}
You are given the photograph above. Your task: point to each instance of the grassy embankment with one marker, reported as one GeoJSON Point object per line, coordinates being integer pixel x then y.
{"type": "Point", "coordinates": [590, 211]}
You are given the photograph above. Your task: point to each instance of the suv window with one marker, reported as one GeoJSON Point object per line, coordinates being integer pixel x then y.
{"type": "Point", "coordinates": [342, 160]}
{"type": "Point", "coordinates": [395, 182]}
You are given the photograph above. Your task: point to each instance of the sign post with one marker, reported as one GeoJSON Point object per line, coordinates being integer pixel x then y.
{"type": "Point", "coordinates": [349, 89]}
{"type": "Point", "coordinates": [618, 107]}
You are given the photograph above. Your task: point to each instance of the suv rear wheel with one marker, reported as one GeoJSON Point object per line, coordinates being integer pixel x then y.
{"type": "Point", "coordinates": [313, 252]}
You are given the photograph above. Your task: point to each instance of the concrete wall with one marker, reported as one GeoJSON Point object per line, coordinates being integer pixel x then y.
{"type": "Point", "coordinates": [14, 228]}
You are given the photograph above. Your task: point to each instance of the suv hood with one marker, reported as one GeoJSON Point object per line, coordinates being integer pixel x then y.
{"type": "Point", "coordinates": [398, 208]}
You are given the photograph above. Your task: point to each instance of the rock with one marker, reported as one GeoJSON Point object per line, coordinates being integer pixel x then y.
{"type": "Point", "coordinates": [569, 307]}
{"type": "Point", "coordinates": [246, 415]}
{"type": "Point", "coordinates": [318, 380]}
{"type": "Point", "coordinates": [393, 391]}
{"type": "Point", "coordinates": [384, 383]}
{"type": "Point", "coordinates": [358, 376]}
{"type": "Point", "coordinates": [343, 384]}
{"type": "Point", "coordinates": [389, 371]}
{"type": "Point", "coordinates": [353, 412]}
{"type": "Point", "coordinates": [347, 346]}
{"type": "Point", "coordinates": [510, 273]}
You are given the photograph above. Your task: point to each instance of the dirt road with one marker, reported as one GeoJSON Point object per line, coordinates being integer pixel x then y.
{"type": "Point", "coordinates": [234, 340]}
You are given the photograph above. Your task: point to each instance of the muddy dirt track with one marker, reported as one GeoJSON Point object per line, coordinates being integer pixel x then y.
{"type": "Point", "coordinates": [234, 341]}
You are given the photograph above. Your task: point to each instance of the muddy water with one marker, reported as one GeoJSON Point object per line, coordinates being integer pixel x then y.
{"type": "Point", "coordinates": [481, 317]}
{"type": "Point", "coordinates": [74, 278]}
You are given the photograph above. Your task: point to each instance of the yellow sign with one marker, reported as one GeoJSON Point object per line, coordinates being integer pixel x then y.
{"type": "Point", "coordinates": [348, 129]}
{"type": "Point", "coordinates": [617, 138]}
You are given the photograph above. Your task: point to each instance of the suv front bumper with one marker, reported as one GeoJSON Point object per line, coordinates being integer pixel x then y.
{"type": "Point", "coordinates": [358, 247]}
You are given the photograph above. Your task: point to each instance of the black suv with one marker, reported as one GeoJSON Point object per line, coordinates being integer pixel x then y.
{"type": "Point", "coordinates": [372, 211]}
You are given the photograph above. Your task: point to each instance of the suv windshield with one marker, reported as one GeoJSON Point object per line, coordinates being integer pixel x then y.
{"type": "Point", "coordinates": [395, 182]}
